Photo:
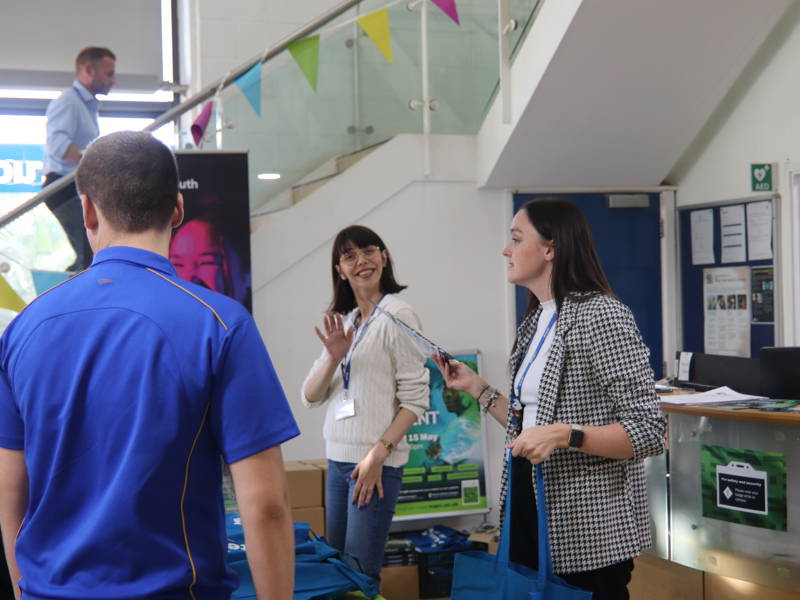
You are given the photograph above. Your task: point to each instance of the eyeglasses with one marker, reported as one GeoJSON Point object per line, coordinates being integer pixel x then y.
{"type": "Point", "coordinates": [350, 255]}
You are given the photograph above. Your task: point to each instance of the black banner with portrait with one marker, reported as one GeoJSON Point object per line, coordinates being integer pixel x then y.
{"type": "Point", "coordinates": [212, 246]}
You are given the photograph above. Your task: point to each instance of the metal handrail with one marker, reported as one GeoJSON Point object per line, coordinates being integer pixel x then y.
{"type": "Point", "coordinates": [188, 104]}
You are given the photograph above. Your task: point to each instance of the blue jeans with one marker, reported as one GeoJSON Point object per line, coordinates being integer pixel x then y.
{"type": "Point", "coordinates": [361, 532]}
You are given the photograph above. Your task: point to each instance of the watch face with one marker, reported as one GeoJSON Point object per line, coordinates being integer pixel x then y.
{"type": "Point", "coordinates": [575, 438]}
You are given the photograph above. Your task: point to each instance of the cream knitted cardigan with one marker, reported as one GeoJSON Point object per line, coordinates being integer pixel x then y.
{"type": "Point", "coordinates": [387, 374]}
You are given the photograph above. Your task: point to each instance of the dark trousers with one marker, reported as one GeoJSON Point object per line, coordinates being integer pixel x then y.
{"type": "Point", "coordinates": [606, 583]}
{"type": "Point", "coordinates": [66, 207]}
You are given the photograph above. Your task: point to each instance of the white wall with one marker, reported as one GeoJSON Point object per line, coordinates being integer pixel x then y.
{"type": "Point", "coordinates": [226, 34]}
{"type": "Point", "coordinates": [759, 122]}
{"type": "Point", "coordinates": [446, 237]}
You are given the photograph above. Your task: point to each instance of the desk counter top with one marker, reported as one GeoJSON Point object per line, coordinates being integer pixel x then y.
{"type": "Point", "coordinates": [744, 414]}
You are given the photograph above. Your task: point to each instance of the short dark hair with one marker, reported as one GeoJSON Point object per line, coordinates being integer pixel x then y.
{"type": "Point", "coordinates": [576, 267]}
{"type": "Point", "coordinates": [132, 177]}
{"type": "Point", "coordinates": [92, 54]}
{"type": "Point", "coordinates": [344, 299]}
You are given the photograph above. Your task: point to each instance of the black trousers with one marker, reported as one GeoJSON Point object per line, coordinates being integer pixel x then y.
{"type": "Point", "coordinates": [606, 583]}
{"type": "Point", "coordinates": [66, 207]}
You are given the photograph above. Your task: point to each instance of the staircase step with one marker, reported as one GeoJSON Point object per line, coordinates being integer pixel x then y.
{"type": "Point", "coordinates": [342, 163]}
{"type": "Point", "coordinates": [301, 191]}
{"type": "Point", "coordinates": [346, 161]}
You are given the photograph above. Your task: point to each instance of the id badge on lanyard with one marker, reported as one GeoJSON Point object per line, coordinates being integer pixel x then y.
{"type": "Point", "coordinates": [346, 405]}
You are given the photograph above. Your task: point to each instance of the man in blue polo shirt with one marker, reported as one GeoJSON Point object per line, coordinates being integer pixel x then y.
{"type": "Point", "coordinates": [119, 392]}
{"type": "Point", "coordinates": [71, 126]}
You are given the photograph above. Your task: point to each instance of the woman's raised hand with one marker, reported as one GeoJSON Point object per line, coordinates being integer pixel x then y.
{"type": "Point", "coordinates": [337, 341]}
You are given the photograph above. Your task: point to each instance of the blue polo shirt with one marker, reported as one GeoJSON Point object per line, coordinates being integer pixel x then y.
{"type": "Point", "coordinates": [124, 386]}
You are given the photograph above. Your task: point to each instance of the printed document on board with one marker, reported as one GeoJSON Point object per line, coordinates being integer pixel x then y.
{"type": "Point", "coordinates": [702, 231]}
{"type": "Point", "coordinates": [731, 223]}
{"type": "Point", "coordinates": [759, 230]}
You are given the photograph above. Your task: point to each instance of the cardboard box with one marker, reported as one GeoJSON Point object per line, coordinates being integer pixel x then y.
{"type": "Point", "coordinates": [490, 538]}
{"type": "Point", "coordinates": [305, 484]}
{"type": "Point", "coordinates": [314, 516]}
{"type": "Point", "coordinates": [400, 583]}
{"type": "Point", "coordinates": [657, 579]}
{"type": "Point", "coordinates": [322, 465]}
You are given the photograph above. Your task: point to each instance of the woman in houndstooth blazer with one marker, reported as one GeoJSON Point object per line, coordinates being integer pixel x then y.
{"type": "Point", "coordinates": [582, 403]}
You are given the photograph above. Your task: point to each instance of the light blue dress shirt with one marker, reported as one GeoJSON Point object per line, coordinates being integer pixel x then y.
{"type": "Point", "coordinates": [71, 119]}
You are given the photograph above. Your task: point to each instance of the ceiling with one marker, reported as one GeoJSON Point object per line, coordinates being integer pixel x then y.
{"type": "Point", "coordinates": [628, 88]}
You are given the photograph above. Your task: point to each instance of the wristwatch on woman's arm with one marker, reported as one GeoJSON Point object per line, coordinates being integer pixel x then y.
{"type": "Point", "coordinates": [575, 440]}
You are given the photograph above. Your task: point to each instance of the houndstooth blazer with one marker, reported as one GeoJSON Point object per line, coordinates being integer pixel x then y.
{"type": "Point", "coordinates": [597, 373]}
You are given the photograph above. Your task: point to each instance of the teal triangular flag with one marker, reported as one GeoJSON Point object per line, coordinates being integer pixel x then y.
{"type": "Point", "coordinates": [250, 84]}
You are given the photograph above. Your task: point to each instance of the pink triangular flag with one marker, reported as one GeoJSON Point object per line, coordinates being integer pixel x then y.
{"type": "Point", "coordinates": [449, 8]}
{"type": "Point", "coordinates": [200, 123]}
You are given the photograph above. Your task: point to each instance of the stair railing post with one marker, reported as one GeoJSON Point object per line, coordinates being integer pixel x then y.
{"type": "Point", "coordinates": [426, 92]}
{"type": "Point", "coordinates": [504, 26]}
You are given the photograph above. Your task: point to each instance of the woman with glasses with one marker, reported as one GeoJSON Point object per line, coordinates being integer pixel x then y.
{"type": "Point", "coordinates": [372, 379]}
{"type": "Point", "coordinates": [582, 403]}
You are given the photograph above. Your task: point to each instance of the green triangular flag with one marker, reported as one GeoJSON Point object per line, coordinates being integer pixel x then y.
{"type": "Point", "coordinates": [306, 54]}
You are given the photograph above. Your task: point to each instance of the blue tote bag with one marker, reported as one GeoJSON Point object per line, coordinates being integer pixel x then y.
{"type": "Point", "coordinates": [479, 575]}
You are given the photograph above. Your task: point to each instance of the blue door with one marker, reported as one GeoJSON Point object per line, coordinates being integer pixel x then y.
{"type": "Point", "coordinates": [628, 241]}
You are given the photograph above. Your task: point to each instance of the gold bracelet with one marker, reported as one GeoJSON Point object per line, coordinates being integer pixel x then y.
{"type": "Point", "coordinates": [387, 444]}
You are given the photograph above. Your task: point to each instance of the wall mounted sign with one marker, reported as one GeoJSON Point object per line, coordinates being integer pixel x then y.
{"type": "Point", "coordinates": [21, 168]}
{"type": "Point", "coordinates": [762, 177]}
{"type": "Point", "coordinates": [744, 486]}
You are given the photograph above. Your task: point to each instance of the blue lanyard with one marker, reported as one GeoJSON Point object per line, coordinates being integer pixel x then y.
{"type": "Point", "coordinates": [345, 364]}
{"type": "Point", "coordinates": [517, 392]}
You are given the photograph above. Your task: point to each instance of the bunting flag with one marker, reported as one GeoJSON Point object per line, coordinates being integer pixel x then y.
{"type": "Point", "coordinates": [44, 280]}
{"type": "Point", "coordinates": [199, 125]}
{"type": "Point", "coordinates": [306, 54]}
{"type": "Point", "coordinates": [376, 26]}
{"type": "Point", "coordinates": [9, 298]}
{"type": "Point", "coordinates": [449, 8]}
{"type": "Point", "coordinates": [250, 84]}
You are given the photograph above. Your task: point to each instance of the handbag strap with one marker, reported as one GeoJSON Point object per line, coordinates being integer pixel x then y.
{"type": "Point", "coordinates": [504, 548]}
{"type": "Point", "coordinates": [545, 557]}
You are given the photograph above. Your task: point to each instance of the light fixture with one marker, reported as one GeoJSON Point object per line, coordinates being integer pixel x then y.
{"type": "Point", "coordinates": [268, 176]}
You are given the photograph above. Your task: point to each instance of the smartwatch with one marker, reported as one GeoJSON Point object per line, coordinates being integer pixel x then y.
{"type": "Point", "coordinates": [575, 437]}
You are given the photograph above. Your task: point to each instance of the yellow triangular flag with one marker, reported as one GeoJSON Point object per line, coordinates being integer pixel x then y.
{"type": "Point", "coordinates": [376, 26]}
{"type": "Point", "coordinates": [9, 298]}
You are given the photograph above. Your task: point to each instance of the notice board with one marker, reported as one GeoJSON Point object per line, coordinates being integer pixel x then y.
{"type": "Point", "coordinates": [757, 297]}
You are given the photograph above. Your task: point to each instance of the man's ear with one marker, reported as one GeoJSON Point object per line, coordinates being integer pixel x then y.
{"type": "Point", "coordinates": [177, 213]}
{"type": "Point", "coordinates": [90, 220]}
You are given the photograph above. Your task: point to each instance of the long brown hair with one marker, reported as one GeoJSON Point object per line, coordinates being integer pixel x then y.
{"type": "Point", "coordinates": [344, 300]}
{"type": "Point", "coordinates": [576, 267]}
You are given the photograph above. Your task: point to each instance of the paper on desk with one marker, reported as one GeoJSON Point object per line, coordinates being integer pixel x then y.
{"type": "Point", "coordinates": [720, 395]}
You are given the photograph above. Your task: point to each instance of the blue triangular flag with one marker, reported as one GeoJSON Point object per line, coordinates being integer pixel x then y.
{"type": "Point", "coordinates": [250, 84]}
{"type": "Point", "coordinates": [44, 280]}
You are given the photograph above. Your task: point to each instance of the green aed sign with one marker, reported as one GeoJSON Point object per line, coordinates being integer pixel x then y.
{"type": "Point", "coordinates": [762, 177]}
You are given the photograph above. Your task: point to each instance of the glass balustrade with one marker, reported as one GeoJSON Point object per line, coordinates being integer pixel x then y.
{"type": "Point", "coordinates": [361, 100]}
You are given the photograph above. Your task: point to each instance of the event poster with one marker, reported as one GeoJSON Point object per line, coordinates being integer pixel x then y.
{"type": "Point", "coordinates": [762, 289]}
{"type": "Point", "coordinates": [445, 474]}
{"type": "Point", "coordinates": [726, 293]}
{"type": "Point", "coordinates": [212, 246]}
{"type": "Point", "coordinates": [744, 486]}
